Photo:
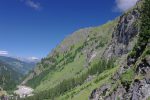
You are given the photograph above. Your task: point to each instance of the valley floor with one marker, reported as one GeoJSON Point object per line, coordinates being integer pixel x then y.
{"type": "Point", "coordinates": [24, 91]}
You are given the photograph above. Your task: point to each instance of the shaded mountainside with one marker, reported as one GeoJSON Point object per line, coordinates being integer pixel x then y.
{"type": "Point", "coordinates": [109, 62]}
{"type": "Point", "coordinates": [8, 77]}
{"type": "Point", "coordinates": [12, 71]}
{"type": "Point", "coordinates": [19, 66]}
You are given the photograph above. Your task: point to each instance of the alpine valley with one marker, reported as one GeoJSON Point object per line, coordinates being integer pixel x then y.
{"type": "Point", "coordinates": [107, 62]}
{"type": "Point", "coordinates": [12, 70]}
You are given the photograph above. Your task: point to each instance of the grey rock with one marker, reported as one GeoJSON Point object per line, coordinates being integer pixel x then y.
{"type": "Point", "coordinates": [123, 34]}
{"type": "Point", "coordinates": [143, 67]}
{"type": "Point", "coordinates": [147, 58]}
{"type": "Point", "coordinates": [140, 90]}
{"type": "Point", "coordinates": [118, 94]}
{"type": "Point", "coordinates": [98, 94]}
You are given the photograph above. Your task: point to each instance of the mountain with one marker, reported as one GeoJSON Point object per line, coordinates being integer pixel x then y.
{"type": "Point", "coordinates": [72, 57]}
{"type": "Point", "coordinates": [132, 80]}
{"type": "Point", "coordinates": [12, 70]}
{"type": "Point", "coordinates": [28, 60]}
{"type": "Point", "coordinates": [9, 78]}
{"type": "Point", "coordinates": [19, 65]}
{"type": "Point", "coordinates": [108, 62]}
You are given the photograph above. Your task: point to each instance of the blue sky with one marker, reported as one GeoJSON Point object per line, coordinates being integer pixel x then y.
{"type": "Point", "coordinates": [34, 27]}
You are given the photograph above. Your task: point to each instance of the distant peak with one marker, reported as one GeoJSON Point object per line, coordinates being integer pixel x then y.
{"type": "Point", "coordinates": [33, 58]}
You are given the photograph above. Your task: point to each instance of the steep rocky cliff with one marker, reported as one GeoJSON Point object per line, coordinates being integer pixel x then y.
{"type": "Point", "coordinates": [124, 35]}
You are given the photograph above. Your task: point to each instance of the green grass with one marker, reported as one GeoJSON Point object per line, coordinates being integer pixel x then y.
{"type": "Point", "coordinates": [82, 92]}
{"type": "Point", "coordinates": [128, 76]}
{"type": "Point", "coordinates": [70, 70]}
{"type": "Point", "coordinates": [100, 34]}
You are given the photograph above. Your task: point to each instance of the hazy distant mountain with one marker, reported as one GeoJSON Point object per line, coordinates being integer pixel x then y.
{"type": "Point", "coordinates": [9, 78]}
{"type": "Point", "coordinates": [12, 69]}
{"type": "Point", "coordinates": [28, 60]}
{"type": "Point", "coordinates": [19, 65]}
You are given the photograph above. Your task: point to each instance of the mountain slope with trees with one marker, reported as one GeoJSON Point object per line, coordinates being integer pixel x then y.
{"type": "Point", "coordinates": [20, 66]}
{"type": "Point", "coordinates": [9, 78]}
{"type": "Point", "coordinates": [12, 71]}
{"type": "Point", "coordinates": [108, 62]}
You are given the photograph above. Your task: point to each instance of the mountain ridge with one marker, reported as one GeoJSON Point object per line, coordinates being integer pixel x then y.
{"type": "Point", "coordinates": [18, 65]}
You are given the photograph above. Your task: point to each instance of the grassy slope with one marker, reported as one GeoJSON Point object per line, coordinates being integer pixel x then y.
{"type": "Point", "coordinates": [101, 34]}
{"type": "Point", "coordinates": [54, 78]}
{"type": "Point", "coordinates": [82, 92]}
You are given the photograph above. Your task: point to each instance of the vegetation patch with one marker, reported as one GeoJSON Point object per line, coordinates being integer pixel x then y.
{"type": "Point", "coordinates": [127, 78]}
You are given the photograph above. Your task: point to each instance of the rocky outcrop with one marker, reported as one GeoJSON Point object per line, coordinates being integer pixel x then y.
{"type": "Point", "coordinates": [138, 89]}
{"type": "Point", "coordinates": [117, 94]}
{"type": "Point", "coordinates": [144, 66]}
{"type": "Point", "coordinates": [123, 35]}
{"type": "Point", "coordinates": [102, 93]}
{"type": "Point", "coordinates": [99, 93]}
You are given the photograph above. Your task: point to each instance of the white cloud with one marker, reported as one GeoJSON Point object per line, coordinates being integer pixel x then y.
{"type": "Point", "coordinates": [123, 5]}
{"type": "Point", "coordinates": [32, 4]}
{"type": "Point", "coordinates": [3, 52]}
{"type": "Point", "coordinates": [33, 58]}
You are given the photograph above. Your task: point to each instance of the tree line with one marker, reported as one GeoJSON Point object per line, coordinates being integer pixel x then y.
{"type": "Point", "coordinates": [71, 83]}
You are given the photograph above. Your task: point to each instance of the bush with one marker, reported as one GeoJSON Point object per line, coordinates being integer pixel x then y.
{"type": "Point", "coordinates": [128, 76]}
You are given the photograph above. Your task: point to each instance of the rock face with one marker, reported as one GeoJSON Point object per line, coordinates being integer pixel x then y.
{"type": "Point", "coordinates": [143, 67]}
{"type": "Point", "coordinates": [97, 93]}
{"type": "Point", "coordinates": [123, 35]}
{"type": "Point", "coordinates": [140, 90]}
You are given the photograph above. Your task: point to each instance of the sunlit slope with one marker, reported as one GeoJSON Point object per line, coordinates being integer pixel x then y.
{"type": "Point", "coordinates": [72, 57]}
